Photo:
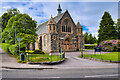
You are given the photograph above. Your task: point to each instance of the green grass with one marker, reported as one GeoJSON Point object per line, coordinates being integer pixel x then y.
{"type": "Point", "coordinates": [42, 58]}
{"type": "Point", "coordinates": [106, 56]}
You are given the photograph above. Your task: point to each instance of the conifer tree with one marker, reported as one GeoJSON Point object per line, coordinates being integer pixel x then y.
{"type": "Point", "coordinates": [106, 29]}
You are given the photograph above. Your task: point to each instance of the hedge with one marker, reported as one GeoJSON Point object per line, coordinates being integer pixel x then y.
{"type": "Point", "coordinates": [91, 46]}
{"type": "Point", "coordinates": [5, 47]}
{"type": "Point", "coordinates": [13, 49]}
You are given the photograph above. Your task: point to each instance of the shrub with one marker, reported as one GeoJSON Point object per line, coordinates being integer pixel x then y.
{"type": "Point", "coordinates": [109, 45]}
{"type": "Point", "coordinates": [5, 47]}
{"type": "Point", "coordinates": [14, 49]}
{"type": "Point", "coordinates": [38, 51]}
{"type": "Point", "coordinates": [29, 52]}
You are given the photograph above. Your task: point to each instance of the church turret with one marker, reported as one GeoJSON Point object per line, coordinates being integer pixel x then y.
{"type": "Point", "coordinates": [51, 25]}
{"type": "Point", "coordinates": [59, 9]}
{"type": "Point", "coordinates": [79, 30]}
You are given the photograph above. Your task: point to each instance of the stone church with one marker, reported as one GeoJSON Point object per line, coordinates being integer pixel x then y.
{"type": "Point", "coordinates": [60, 32]}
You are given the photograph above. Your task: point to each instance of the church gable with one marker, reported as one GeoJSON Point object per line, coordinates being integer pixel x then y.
{"type": "Point", "coordinates": [67, 15]}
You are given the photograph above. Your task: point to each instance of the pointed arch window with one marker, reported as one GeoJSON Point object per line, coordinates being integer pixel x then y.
{"type": "Point", "coordinates": [66, 26]}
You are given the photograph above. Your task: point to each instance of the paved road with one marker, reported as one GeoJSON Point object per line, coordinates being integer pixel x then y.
{"type": "Point", "coordinates": [62, 73]}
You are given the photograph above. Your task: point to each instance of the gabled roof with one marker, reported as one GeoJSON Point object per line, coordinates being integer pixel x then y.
{"type": "Point", "coordinates": [51, 21]}
{"type": "Point", "coordinates": [78, 25]}
{"type": "Point", "coordinates": [56, 19]}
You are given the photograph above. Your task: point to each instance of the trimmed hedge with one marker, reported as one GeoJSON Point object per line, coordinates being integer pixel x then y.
{"type": "Point", "coordinates": [91, 46]}
{"type": "Point", "coordinates": [38, 51]}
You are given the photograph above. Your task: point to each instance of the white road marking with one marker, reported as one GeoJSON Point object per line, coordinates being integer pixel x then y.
{"type": "Point", "coordinates": [103, 75]}
{"type": "Point", "coordinates": [47, 77]}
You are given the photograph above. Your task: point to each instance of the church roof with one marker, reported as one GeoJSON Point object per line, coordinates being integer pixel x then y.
{"type": "Point", "coordinates": [42, 27]}
{"type": "Point", "coordinates": [56, 19]}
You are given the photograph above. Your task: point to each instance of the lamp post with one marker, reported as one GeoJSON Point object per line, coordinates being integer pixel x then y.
{"type": "Point", "coordinates": [15, 33]}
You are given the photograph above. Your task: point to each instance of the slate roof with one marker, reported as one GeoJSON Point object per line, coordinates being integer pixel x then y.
{"type": "Point", "coordinates": [42, 28]}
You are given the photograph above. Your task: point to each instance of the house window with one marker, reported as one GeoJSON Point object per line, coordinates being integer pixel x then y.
{"type": "Point", "coordinates": [66, 26]}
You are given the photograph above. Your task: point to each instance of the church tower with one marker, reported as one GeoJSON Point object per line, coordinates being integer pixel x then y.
{"type": "Point", "coordinates": [59, 9]}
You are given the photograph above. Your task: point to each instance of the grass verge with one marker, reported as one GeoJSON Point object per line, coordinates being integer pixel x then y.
{"type": "Point", "coordinates": [114, 56]}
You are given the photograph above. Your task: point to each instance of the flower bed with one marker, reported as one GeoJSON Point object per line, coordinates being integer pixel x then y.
{"type": "Point", "coordinates": [110, 45]}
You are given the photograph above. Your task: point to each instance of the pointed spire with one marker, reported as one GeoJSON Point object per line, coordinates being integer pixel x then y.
{"type": "Point", "coordinates": [59, 9]}
{"type": "Point", "coordinates": [51, 21]}
{"type": "Point", "coordinates": [78, 24]}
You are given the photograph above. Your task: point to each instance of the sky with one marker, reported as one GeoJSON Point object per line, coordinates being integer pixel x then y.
{"type": "Point", "coordinates": [87, 13]}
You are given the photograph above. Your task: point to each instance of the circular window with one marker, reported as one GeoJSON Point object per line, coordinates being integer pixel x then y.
{"type": "Point", "coordinates": [54, 37]}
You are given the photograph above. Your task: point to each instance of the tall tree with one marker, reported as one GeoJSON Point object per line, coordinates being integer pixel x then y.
{"type": "Point", "coordinates": [106, 28]}
{"type": "Point", "coordinates": [89, 39]}
{"type": "Point", "coordinates": [118, 27]}
{"type": "Point", "coordinates": [86, 37]}
{"type": "Point", "coordinates": [7, 15]}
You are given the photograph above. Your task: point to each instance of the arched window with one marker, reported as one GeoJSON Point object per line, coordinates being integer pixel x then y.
{"type": "Point", "coordinates": [54, 27]}
{"type": "Point", "coordinates": [44, 40]}
{"type": "Point", "coordinates": [50, 27]}
{"type": "Point", "coordinates": [66, 26]}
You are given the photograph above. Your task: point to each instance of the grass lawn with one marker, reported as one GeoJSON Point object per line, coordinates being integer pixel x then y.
{"type": "Point", "coordinates": [42, 58]}
{"type": "Point", "coordinates": [106, 56]}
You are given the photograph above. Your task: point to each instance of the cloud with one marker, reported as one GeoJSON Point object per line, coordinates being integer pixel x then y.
{"type": "Point", "coordinates": [87, 13]}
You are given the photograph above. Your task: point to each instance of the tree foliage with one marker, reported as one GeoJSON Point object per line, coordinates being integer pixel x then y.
{"type": "Point", "coordinates": [118, 28]}
{"type": "Point", "coordinates": [6, 16]}
{"type": "Point", "coordinates": [89, 39]}
{"type": "Point", "coordinates": [106, 29]}
{"type": "Point", "coordinates": [23, 24]}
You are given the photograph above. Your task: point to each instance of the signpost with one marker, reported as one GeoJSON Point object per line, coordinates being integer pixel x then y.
{"type": "Point", "coordinates": [81, 48]}
{"type": "Point", "coordinates": [19, 39]}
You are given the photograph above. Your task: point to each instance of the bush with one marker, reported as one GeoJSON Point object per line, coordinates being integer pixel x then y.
{"type": "Point", "coordinates": [38, 51]}
{"type": "Point", "coordinates": [5, 47]}
{"type": "Point", "coordinates": [14, 49]}
{"type": "Point", "coordinates": [109, 45]}
{"type": "Point", "coordinates": [29, 52]}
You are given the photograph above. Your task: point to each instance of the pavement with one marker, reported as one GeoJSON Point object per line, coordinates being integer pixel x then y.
{"type": "Point", "coordinates": [72, 62]}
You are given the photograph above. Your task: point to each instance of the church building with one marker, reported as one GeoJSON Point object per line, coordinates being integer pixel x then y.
{"type": "Point", "coordinates": [60, 32]}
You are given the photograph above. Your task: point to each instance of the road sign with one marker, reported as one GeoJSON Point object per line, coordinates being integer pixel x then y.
{"type": "Point", "coordinates": [19, 39]}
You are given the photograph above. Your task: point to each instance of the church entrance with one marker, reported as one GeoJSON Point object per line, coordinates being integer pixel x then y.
{"type": "Point", "coordinates": [68, 44]}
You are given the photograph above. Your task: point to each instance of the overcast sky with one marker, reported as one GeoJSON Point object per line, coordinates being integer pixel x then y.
{"type": "Point", "coordinates": [87, 13]}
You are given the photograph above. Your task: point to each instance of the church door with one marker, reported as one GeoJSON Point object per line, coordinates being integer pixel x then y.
{"type": "Point", "coordinates": [68, 44]}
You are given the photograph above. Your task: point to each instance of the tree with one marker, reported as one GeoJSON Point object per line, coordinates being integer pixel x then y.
{"type": "Point", "coordinates": [6, 16]}
{"type": "Point", "coordinates": [23, 23]}
{"type": "Point", "coordinates": [89, 39]}
{"type": "Point", "coordinates": [106, 28]}
{"type": "Point", "coordinates": [86, 37]}
{"type": "Point", "coordinates": [118, 27]}
{"type": "Point", "coordinates": [27, 39]}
